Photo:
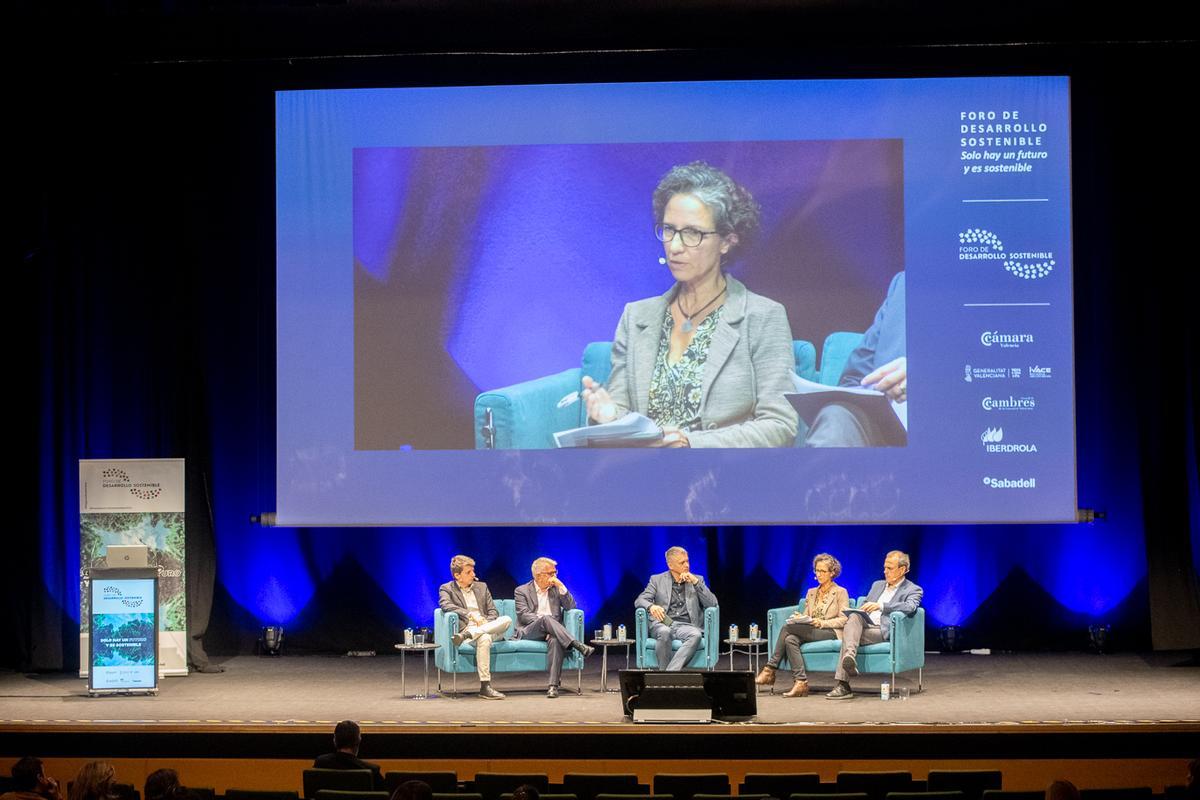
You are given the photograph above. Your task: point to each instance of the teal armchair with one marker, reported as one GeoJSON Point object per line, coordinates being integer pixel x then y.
{"type": "Point", "coordinates": [509, 654]}
{"type": "Point", "coordinates": [903, 651]}
{"type": "Point", "coordinates": [526, 415]}
{"type": "Point", "coordinates": [706, 655]}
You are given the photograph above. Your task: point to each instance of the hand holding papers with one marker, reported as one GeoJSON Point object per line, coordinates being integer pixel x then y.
{"type": "Point", "coordinates": [631, 430]}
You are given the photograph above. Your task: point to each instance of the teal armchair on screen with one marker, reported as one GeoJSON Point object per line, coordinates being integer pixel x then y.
{"type": "Point", "coordinates": [526, 415]}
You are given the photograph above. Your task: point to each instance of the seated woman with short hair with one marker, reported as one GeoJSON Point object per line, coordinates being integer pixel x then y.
{"type": "Point", "coordinates": [823, 618]}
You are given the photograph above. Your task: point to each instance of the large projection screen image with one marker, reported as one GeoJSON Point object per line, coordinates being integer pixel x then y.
{"type": "Point", "coordinates": [547, 245]}
{"type": "Point", "coordinates": [742, 268]}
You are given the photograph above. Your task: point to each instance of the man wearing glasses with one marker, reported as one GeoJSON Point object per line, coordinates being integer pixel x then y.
{"type": "Point", "coordinates": [894, 593]}
{"type": "Point", "coordinates": [541, 604]}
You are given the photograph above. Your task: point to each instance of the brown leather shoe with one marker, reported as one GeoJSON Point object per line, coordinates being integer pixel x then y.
{"type": "Point", "coordinates": [799, 689]}
{"type": "Point", "coordinates": [766, 677]}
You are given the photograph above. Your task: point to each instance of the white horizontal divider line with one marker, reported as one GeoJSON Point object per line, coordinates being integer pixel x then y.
{"type": "Point", "coordinates": [1010, 200]}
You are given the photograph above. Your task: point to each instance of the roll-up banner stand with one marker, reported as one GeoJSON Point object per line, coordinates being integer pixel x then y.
{"type": "Point", "coordinates": [129, 504]}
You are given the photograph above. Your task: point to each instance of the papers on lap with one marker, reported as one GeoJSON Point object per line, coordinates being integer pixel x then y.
{"type": "Point", "coordinates": [631, 430]}
{"type": "Point", "coordinates": [810, 397]}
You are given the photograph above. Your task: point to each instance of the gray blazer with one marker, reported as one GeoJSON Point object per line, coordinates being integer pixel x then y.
{"type": "Point", "coordinates": [526, 601]}
{"type": "Point", "coordinates": [450, 598]}
{"type": "Point", "coordinates": [658, 593]}
{"type": "Point", "coordinates": [750, 365]}
{"type": "Point", "coordinates": [907, 599]}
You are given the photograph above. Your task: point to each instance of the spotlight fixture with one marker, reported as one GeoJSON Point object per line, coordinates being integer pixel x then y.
{"type": "Point", "coordinates": [1098, 636]}
{"type": "Point", "coordinates": [950, 637]}
{"type": "Point", "coordinates": [272, 640]}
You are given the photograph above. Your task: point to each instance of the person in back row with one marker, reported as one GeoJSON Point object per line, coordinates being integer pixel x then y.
{"type": "Point", "coordinates": [30, 782]}
{"type": "Point", "coordinates": [347, 738]}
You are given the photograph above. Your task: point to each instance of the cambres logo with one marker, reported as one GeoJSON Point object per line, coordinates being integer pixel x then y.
{"type": "Point", "coordinates": [1009, 403]}
{"type": "Point", "coordinates": [1010, 483]}
{"type": "Point", "coordinates": [993, 442]}
{"type": "Point", "coordinates": [1006, 340]}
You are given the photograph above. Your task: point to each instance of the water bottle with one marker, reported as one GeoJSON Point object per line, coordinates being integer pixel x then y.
{"type": "Point", "coordinates": [754, 631]}
{"type": "Point", "coordinates": [607, 631]}
{"type": "Point", "coordinates": [885, 691]}
{"type": "Point", "coordinates": [733, 633]}
{"type": "Point", "coordinates": [408, 635]}
{"type": "Point", "coordinates": [621, 632]}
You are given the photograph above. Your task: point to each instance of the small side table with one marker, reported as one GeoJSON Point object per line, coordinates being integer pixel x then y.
{"type": "Point", "coordinates": [753, 648]}
{"type": "Point", "coordinates": [424, 649]}
{"type": "Point", "coordinates": [604, 644]}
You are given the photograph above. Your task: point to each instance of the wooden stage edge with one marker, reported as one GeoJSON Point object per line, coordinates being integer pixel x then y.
{"type": "Point", "coordinates": [616, 728]}
{"type": "Point", "coordinates": [612, 742]}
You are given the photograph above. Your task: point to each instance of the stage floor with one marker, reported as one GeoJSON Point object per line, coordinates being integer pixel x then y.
{"type": "Point", "coordinates": [313, 692]}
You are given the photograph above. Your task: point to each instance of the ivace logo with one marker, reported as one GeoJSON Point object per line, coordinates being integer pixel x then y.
{"type": "Point", "coordinates": [993, 442]}
{"type": "Point", "coordinates": [1009, 403]}
{"type": "Point", "coordinates": [1010, 483]}
{"type": "Point", "coordinates": [977, 244]}
{"type": "Point", "coordinates": [1040, 372]}
{"type": "Point", "coordinates": [1005, 340]}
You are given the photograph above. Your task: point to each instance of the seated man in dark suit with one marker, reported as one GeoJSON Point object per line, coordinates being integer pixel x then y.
{"type": "Point", "coordinates": [540, 607]}
{"type": "Point", "coordinates": [347, 737]}
{"type": "Point", "coordinates": [880, 363]}
{"type": "Point", "coordinates": [675, 601]}
{"type": "Point", "coordinates": [894, 593]}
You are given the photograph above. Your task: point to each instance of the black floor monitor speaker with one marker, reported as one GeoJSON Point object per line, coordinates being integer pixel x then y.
{"type": "Point", "coordinates": [688, 695]}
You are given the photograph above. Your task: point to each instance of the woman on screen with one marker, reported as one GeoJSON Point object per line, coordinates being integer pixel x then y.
{"type": "Point", "coordinates": [822, 616]}
{"type": "Point", "coordinates": [708, 361]}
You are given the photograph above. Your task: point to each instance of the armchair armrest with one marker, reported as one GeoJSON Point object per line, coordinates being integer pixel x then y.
{"type": "Point", "coordinates": [573, 622]}
{"type": "Point", "coordinates": [445, 625]}
{"type": "Point", "coordinates": [641, 629]}
{"type": "Point", "coordinates": [526, 415]}
{"type": "Point", "coordinates": [908, 640]}
{"type": "Point", "coordinates": [712, 635]}
{"type": "Point", "coordinates": [776, 619]}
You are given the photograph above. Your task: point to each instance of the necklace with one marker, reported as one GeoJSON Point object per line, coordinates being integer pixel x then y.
{"type": "Point", "coordinates": [687, 325]}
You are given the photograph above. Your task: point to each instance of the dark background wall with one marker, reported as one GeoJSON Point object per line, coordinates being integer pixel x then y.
{"type": "Point", "coordinates": [143, 321]}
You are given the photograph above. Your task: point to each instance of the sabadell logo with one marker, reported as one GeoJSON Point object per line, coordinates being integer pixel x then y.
{"type": "Point", "coordinates": [1010, 483]}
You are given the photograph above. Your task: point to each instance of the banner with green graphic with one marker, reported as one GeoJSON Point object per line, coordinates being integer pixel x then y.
{"type": "Point", "coordinates": [126, 505]}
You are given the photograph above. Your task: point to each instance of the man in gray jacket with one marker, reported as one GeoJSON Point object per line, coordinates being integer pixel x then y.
{"type": "Point", "coordinates": [479, 621]}
{"type": "Point", "coordinates": [894, 593]}
{"type": "Point", "coordinates": [540, 607]}
{"type": "Point", "coordinates": [675, 601]}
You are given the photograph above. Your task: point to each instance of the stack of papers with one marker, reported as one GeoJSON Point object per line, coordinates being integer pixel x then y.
{"type": "Point", "coordinates": [631, 430]}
